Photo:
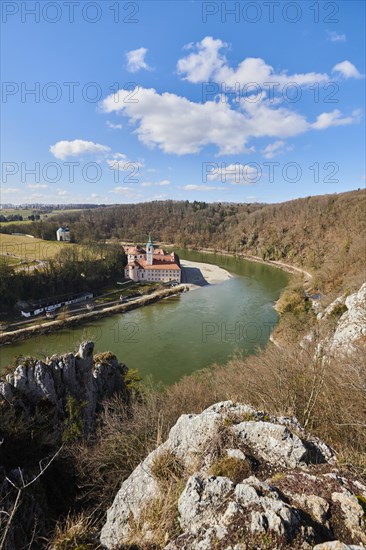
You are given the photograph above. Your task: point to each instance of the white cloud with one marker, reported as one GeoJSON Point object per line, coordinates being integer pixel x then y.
{"type": "Point", "coordinates": [121, 162]}
{"type": "Point", "coordinates": [207, 63]}
{"type": "Point", "coordinates": [76, 148]}
{"type": "Point", "coordinates": [200, 66]}
{"type": "Point", "coordinates": [180, 126]}
{"type": "Point", "coordinates": [333, 36]}
{"type": "Point", "coordinates": [237, 173]}
{"type": "Point", "coordinates": [114, 126]}
{"type": "Point", "coordinates": [34, 196]}
{"type": "Point", "coordinates": [177, 125]}
{"type": "Point", "coordinates": [347, 70]}
{"type": "Point", "coordinates": [192, 187]}
{"type": "Point", "coordinates": [37, 186]}
{"type": "Point", "coordinates": [126, 192]}
{"type": "Point", "coordinates": [8, 190]}
{"type": "Point", "coordinates": [62, 192]}
{"type": "Point", "coordinates": [276, 148]}
{"type": "Point", "coordinates": [151, 183]}
{"type": "Point", "coordinates": [121, 190]}
{"type": "Point", "coordinates": [334, 118]}
{"type": "Point", "coordinates": [136, 60]}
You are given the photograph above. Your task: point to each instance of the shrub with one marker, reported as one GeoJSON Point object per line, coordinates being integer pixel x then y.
{"type": "Point", "coordinates": [235, 469]}
{"type": "Point", "coordinates": [293, 300]}
{"type": "Point", "coordinates": [167, 468]}
{"type": "Point", "coordinates": [160, 518]}
{"type": "Point", "coordinates": [292, 380]}
{"type": "Point", "coordinates": [133, 382]}
{"type": "Point", "coordinates": [77, 532]}
{"type": "Point", "coordinates": [73, 427]}
{"type": "Point", "coordinates": [338, 310]}
{"type": "Point", "coordinates": [104, 358]}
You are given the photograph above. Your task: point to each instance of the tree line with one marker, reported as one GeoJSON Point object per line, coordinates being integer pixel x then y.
{"type": "Point", "coordinates": [324, 233]}
{"type": "Point", "coordinates": [73, 270]}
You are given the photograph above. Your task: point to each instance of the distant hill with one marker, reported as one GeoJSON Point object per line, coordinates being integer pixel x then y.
{"type": "Point", "coordinates": [324, 233]}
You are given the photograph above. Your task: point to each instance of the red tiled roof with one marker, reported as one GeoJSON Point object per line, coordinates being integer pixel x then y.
{"type": "Point", "coordinates": [134, 250]}
{"type": "Point", "coordinates": [159, 264]}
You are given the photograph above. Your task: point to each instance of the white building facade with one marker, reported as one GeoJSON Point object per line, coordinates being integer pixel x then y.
{"type": "Point", "coordinates": [152, 265]}
{"type": "Point", "coordinates": [63, 234]}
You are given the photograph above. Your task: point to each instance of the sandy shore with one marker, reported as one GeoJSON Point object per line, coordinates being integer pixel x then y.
{"type": "Point", "coordinates": [197, 274]}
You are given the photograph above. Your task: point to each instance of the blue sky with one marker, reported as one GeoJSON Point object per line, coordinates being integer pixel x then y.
{"type": "Point", "coordinates": [137, 101]}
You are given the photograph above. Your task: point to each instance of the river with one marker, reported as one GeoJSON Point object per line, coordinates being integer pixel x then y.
{"type": "Point", "coordinates": [183, 334]}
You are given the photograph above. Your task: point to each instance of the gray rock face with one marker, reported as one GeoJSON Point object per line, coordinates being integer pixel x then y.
{"type": "Point", "coordinates": [68, 375]}
{"type": "Point", "coordinates": [351, 326]}
{"type": "Point", "coordinates": [39, 391]}
{"type": "Point", "coordinates": [273, 443]}
{"type": "Point", "coordinates": [246, 477]}
{"type": "Point", "coordinates": [337, 545]}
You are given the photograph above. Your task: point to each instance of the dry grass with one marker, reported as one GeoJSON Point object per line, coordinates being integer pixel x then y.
{"type": "Point", "coordinates": [235, 469]}
{"type": "Point", "coordinates": [29, 249]}
{"type": "Point", "coordinates": [327, 395]}
{"type": "Point", "coordinates": [126, 435]}
{"type": "Point", "coordinates": [158, 521]}
{"type": "Point", "coordinates": [167, 468]}
{"type": "Point", "coordinates": [328, 398]}
{"type": "Point", "coordinates": [76, 532]}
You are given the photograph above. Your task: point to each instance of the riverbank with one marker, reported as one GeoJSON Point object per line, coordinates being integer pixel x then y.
{"type": "Point", "coordinates": [180, 335]}
{"type": "Point", "coordinates": [194, 276]}
{"type": "Point", "coordinates": [197, 274]}
{"type": "Point", "coordinates": [288, 268]}
{"type": "Point", "coordinates": [274, 263]}
{"type": "Point", "coordinates": [75, 320]}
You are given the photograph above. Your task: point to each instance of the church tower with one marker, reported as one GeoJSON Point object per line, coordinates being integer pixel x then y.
{"type": "Point", "coordinates": [149, 251]}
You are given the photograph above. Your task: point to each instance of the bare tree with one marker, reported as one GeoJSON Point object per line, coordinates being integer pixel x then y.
{"type": "Point", "coordinates": [20, 489]}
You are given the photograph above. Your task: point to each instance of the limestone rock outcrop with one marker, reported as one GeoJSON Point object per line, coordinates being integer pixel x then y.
{"type": "Point", "coordinates": [42, 404]}
{"type": "Point", "coordinates": [79, 376]}
{"type": "Point", "coordinates": [237, 479]}
{"type": "Point", "coordinates": [351, 325]}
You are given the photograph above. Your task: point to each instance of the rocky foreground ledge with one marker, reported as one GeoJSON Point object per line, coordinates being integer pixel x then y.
{"type": "Point", "coordinates": [233, 478]}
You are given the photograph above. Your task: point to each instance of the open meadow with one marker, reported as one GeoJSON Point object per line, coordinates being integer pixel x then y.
{"type": "Point", "coordinates": [23, 249]}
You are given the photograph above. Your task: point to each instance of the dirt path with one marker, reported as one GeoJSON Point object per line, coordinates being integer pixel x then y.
{"type": "Point", "coordinates": [286, 267]}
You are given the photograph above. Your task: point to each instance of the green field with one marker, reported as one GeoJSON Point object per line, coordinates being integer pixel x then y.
{"type": "Point", "coordinates": [28, 249]}
{"type": "Point", "coordinates": [28, 212]}
{"type": "Point", "coordinates": [17, 212]}
{"type": "Point", "coordinates": [66, 211]}
{"type": "Point", "coordinates": [9, 224]}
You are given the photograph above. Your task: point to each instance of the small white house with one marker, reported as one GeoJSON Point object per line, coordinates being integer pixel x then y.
{"type": "Point", "coordinates": [63, 234]}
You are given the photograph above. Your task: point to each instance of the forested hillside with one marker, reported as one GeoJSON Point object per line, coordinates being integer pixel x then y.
{"type": "Point", "coordinates": [325, 233]}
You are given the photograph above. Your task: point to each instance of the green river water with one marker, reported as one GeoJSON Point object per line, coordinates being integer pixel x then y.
{"type": "Point", "coordinates": [182, 334]}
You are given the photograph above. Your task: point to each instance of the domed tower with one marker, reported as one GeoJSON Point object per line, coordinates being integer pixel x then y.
{"type": "Point", "coordinates": [149, 251]}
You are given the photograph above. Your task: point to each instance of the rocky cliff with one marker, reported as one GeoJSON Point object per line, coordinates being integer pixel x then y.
{"type": "Point", "coordinates": [235, 478]}
{"type": "Point", "coordinates": [42, 404]}
{"type": "Point", "coordinates": [341, 326]}
{"type": "Point", "coordinates": [86, 379]}
{"type": "Point", "coordinates": [350, 329]}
